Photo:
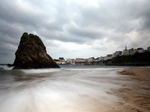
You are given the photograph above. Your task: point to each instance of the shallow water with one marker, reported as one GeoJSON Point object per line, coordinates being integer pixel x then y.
{"type": "Point", "coordinates": [69, 89]}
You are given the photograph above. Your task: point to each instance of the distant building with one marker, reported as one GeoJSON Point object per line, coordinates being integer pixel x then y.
{"type": "Point", "coordinates": [73, 62]}
{"type": "Point", "coordinates": [80, 61]}
{"type": "Point", "coordinates": [140, 50]}
{"type": "Point", "coordinates": [77, 60]}
{"type": "Point", "coordinates": [124, 52]}
{"type": "Point", "coordinates": [90, 59]}
{"type": "Point", "coordinates": [109, 56]}
{"type": "Point", "coordinates": [83, 60]}
{"type": "Point", "coordinates": [96, 60]}
{"type": "Point", "coordinates": [114, 55]}
{"type": "Point", "coordinates": [117, 53]}
{"type": "Point", "coordinates": [127, 52]}
{"type": "Point", "coordinates": [132, 51]}
{"type": "Point", "coordinates": [105, 58]}
{"type": "Point", "coordinates": [148, 48]}
{"type": "Point", "coordinates": [101, 58]}
{"type": "Point", "coordinates": [61, 59]}
{"type": "Point", "coordinates": [57, 61]}
{"type": "Point", "coordinates": [63, 63]}
{"type": "Point", "coordinates": [70, 61]}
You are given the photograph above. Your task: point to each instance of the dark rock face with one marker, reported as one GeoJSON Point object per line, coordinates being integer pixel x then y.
{"type": "Point", "coordinates": [31, 53]}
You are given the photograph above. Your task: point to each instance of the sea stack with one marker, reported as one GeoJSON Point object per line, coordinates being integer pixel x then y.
{"type": "Point", "coordinates": [31, 53]}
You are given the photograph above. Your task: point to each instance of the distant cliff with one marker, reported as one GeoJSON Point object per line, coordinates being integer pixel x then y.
{"type": "Point", "coordinates": [31, 53]}
{"type": "Point", "coordinates": [136, 59]}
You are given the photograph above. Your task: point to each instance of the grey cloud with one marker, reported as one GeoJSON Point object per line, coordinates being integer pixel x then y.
{"type": "Point", "coordinates": [7, 49]}
{"type": "Point", "coordinates": [115, 15]}
{"type": "Point", "coordinates": [55, 19]}
{"type": "Point", "coordinates": [12, 13]}
{"type": "Point", "coordinates": [9, 28]}
{"type": "Point", "coordinates": [84, 32]}
{"type": "Point", "coordinates": [60, 35]}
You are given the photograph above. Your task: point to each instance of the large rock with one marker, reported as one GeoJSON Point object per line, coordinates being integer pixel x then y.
{"type": "Point", "coordinates": [31, 53]}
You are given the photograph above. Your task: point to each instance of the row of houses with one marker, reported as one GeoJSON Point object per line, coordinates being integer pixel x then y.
{"type": "Point", "coordinates": [83, 61]}
{"type": "Point", "coordinates": [125, 52]}
{"type": "Point", "coordinates": [92, 60]}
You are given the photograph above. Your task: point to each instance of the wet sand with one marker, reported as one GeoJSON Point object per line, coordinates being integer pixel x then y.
{"type": "Point", "coordinates": [142, 74]}
{"type": "Point", "coordinates": [136, 95]}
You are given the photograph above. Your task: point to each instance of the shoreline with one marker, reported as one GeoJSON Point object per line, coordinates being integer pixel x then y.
{"type": "Point", "coordinates": [142, 74]}
{"type": "Point", "coordinates": [136, 93]}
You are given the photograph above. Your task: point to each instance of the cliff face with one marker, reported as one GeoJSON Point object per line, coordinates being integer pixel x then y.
{"type": "Point", "coordinates": [31, 53]}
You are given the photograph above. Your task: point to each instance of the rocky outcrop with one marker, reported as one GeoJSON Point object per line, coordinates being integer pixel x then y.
{"type": "Point", "coordinates": [31, 53]}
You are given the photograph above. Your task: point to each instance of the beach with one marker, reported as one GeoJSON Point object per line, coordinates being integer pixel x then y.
{"type": "Point", "coordinates": [136, 95]}
{"type": "Point", "coordinates": [75, 89]}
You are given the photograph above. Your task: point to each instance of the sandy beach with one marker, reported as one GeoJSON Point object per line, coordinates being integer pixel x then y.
{"type": "Point", "coordinates": [136, 95]}
{"type": "Point", "coordinates": [142, 74]}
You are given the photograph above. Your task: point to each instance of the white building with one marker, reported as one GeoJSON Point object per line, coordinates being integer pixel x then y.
{"type": "Point", "coordinates": [109, 56]}
{"type": "Point", "coordinates": [140, 50]}
{"type": "Point", "coordinates": [124, 52]}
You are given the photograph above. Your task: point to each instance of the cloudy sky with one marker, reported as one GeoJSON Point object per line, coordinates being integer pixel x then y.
{"type": "Point", "coordinates": [75, 28]}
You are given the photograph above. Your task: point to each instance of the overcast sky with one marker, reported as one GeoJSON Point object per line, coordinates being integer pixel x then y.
{"type": "Point", "coordinates": [75, 28]}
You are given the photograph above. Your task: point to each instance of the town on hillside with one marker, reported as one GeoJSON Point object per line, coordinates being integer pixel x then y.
{"type": "Point", "coordinates": [129, 55]}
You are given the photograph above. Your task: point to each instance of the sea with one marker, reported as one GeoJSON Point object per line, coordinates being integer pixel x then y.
{"type": "Point", "coordinates": [70, 88]}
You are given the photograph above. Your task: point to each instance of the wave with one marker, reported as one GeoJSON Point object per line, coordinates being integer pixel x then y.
{"type": "Point", "coordinates": [8, 70]}
{"type": "Point", "coordinates": [93, 69]}
{"type": "Point", "coordinates": [39, 71]}
{"type": "Point", "coordinates": [5, 67]}
{"type": "Point", "coordinates": [43, 90]}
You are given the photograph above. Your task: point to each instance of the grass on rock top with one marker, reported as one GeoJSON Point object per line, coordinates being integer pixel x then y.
{"type": "Point", "coordinates": [25, 37]}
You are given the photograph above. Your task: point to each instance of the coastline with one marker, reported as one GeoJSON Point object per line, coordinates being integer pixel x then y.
{"type": "Point", "coordinates": [136, 94]}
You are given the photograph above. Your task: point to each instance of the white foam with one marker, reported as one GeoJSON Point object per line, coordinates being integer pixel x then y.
{"type": "Point", "coordinates": [90, 69]}
{"type": "Point", "coordinates": [5, 67]}
{"type": "Point", "coordinates": [39, 71]}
